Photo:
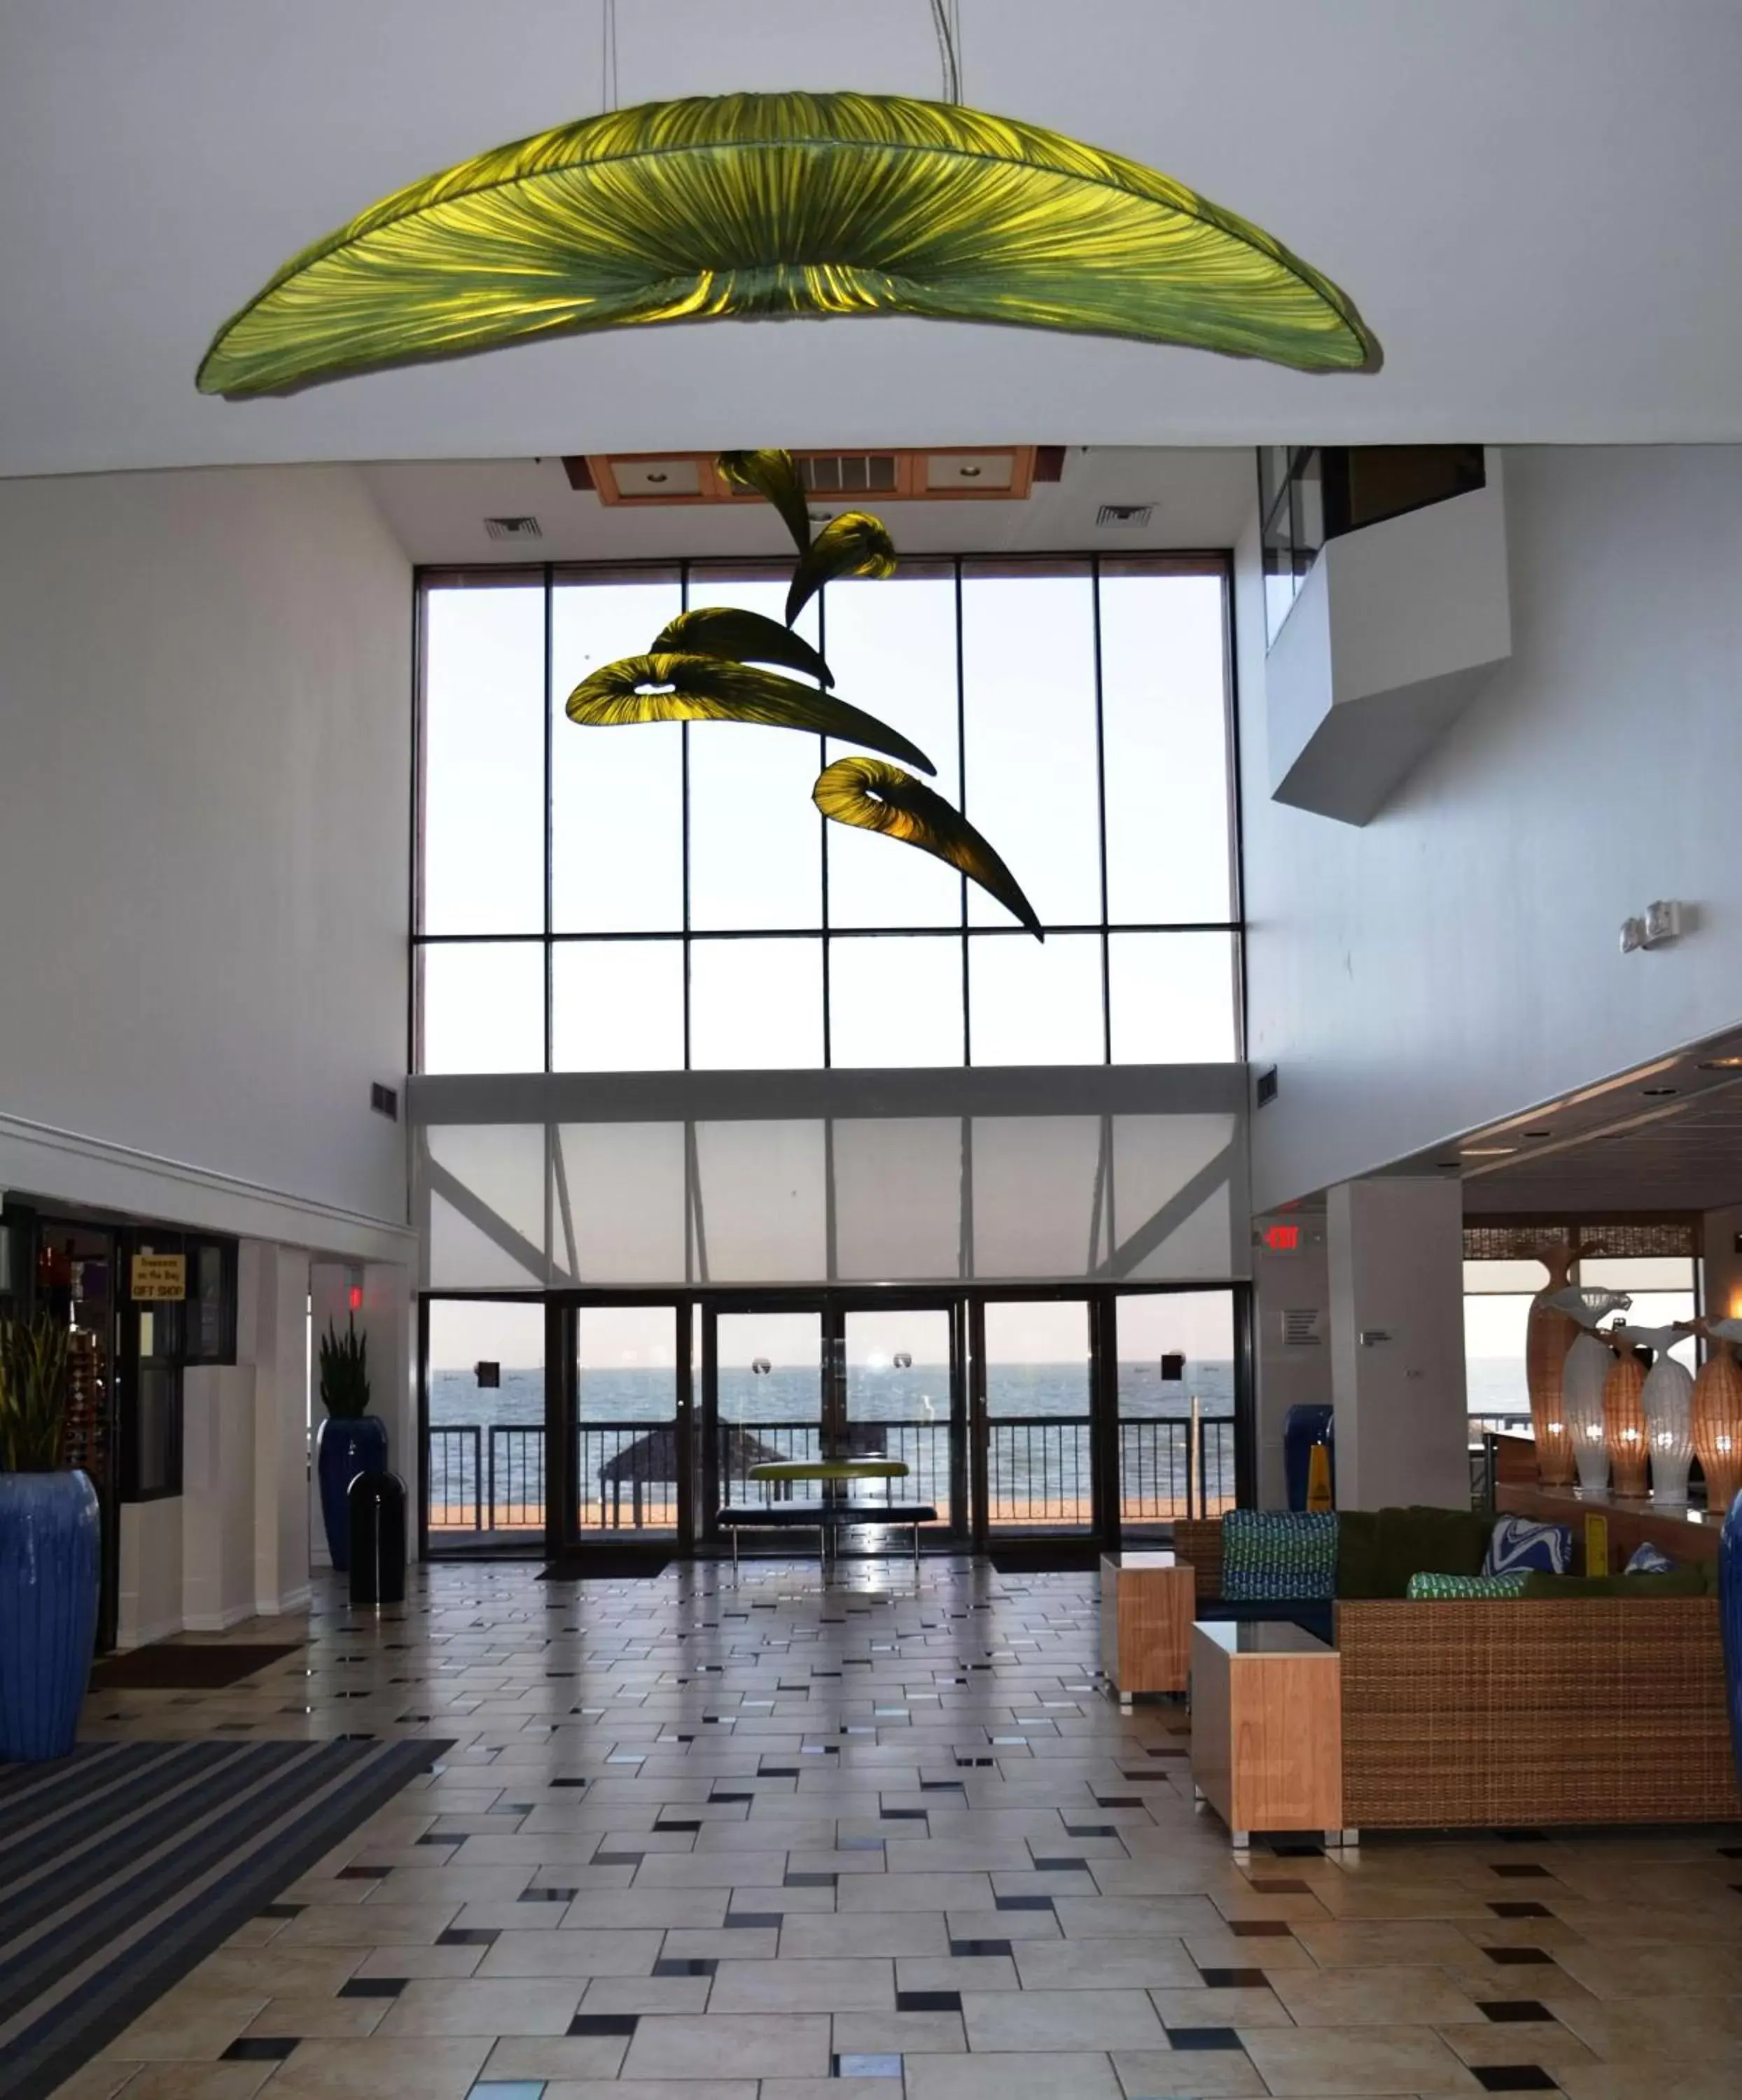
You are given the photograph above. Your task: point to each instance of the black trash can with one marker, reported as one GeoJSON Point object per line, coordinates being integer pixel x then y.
{"type": "Point", "coordinates": [377, 1505]}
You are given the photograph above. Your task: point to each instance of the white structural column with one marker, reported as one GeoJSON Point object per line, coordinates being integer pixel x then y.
{"type": "Point", "coordinates": [1397, 1342]}
{"type": "Point", "coordinates": [279, 1296]}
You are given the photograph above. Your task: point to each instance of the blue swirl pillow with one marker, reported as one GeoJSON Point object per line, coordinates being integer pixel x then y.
{"type": "Point", "coordinates": [1521, 1543]}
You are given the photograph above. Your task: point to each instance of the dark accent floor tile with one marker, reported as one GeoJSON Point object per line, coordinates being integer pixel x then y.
{"type": "Point", "coordinates": [726, 1798]}
{"type": "Point", "coordinates": [1520, 1910]}
{"type": "Point", "coordinates": [754, 1920]}
{"type": "Point", "coordinates": [1512, 2009]}
{"type": "Point", "coordinates": [964, 1949]}
{"type": "Point", "coordinates": [1061, 1866]}
{"type": "Point", "coordinates": [547, 1895]}
{"type": "Point", "coordinates": [281, 1910]}
{"type": "Point", "coordinates": [809, 1881]}
{"type": "Point", "coordinates": [363, 1873]}
{"type": "Point", "coordinates": [1515, 2078]}
{"type": "Point", "coordinates": [260, 2049]}
{"type": "Point", "coordinates": [903, 1814]}
{"type": "Point", "coordinates": [568, 1782]}
{"type": "Point", "coordinates": [1091, 1830]}
{"type": "Point", "coordinates": [686, 1823]}
{"type": "Point", "coordinates": [941, 1786]}
{"type": "Point", "coordinates": [468, 1935]}
{"type": "Point", "coordinates": [1517, 1957]}
{"type": "Point", "coordinates": [434, 1838]}
{"type": "Point", "coordinates": [618, 1858]}
{"type": "Point", "coordinates": [778, 1772]}
{"type": "Point", "coordinates": [1117, 1800]}
{"type": "Point", "coordinates": [1260, 1928]}
{"type": "Point", "coordinates": [1023, 1903]}
{"type": "Point", "coordinates": [692, 1966]}
{"type": "Point", "coordinates": [1281, 1888]}
{"type": "Point", "coordinates": [1525, 1871]}
{"type": "Point", "coordinates": [1202, 2037]}
{"type": "Point", "coordinates": [605, 2023]}
{"type": "Point", "coordinates": [372, 1987]}
{"type": "Point", "coordinates": [1235, 1979]}
{"type": "Point", "coordinates": [928, 2001]}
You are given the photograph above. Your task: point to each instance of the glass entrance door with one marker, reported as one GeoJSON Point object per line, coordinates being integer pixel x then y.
{"type": "Point", "coordinates": [632, 1439]}
{"type": "Point", "coordinates": [1032, 1419]}
{"type": "Point", "coordinates": [1176, 1391]}
{"type": "Point", "coordinates": [765, 1387]}
{"type": "Point", "coordinates": [901, 1397]}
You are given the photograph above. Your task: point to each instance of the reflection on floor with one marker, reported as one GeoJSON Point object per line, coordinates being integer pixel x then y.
{"type": "Point", "coordinates": [697, 1839]}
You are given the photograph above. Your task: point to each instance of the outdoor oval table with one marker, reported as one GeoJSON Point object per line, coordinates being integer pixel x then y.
{"type": "Point", "coordinates": [833, 1473]}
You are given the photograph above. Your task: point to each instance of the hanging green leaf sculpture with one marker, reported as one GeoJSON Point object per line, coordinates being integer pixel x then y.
{"type": "Point", "coordinates": [740, 638]}
{"type": "Point", "coordinates": [853, 545]}
{"type": "Point", "coordinates": [659, 688]}
{"type": "Point", "coordinates": [746, 206]}
{"type": "Point", "coordinates": [875, 797]}
{"type": "Point", "coordinates": [774, 476]}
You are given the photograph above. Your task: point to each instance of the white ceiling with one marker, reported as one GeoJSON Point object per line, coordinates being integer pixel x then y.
{"type": "Point", "coordinates": [1534, 205]}
{"type": "Point", "coordinates": [437, 508]}
{"type": "Point", "coordinates": [1665, 1136]}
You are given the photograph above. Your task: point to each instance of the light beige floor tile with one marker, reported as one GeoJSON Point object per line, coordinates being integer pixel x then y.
{"type": "Point", "coordinates": [408, 1962]}
{"type": "Point", "coordinates": [329, 2018]}
{"type": "Point", "coordinates": [654, 2089]}
{"type": "Point", "coordinates": [1402, 1996]}
{"type": "Point", "coordinates": [646, 1994]}
{"type": "Point", "coordinates": [504, 2005]}
{"type": "Point", "coordinates": [1109, 1965]}
{"type": "Point", "coordinates": [195, 2025]}
{"type": "Point", "coordinates": [370, 1925]}
{"type": "Point", "coordinates": [883, 2034]}
{"type": "Point", "coordinates": [556, 2056]}
{"type": "Point", "coordinates": [1659, 2030]}
{"type": "Point", "coordinates": [1083, 2075]}
{"type": "Point", "coordinates": [1223, 2005]}
{"type": "Point", "coordinates": [1295, 2063]}
{"type": "Point", "coordinates": [1545, 2042]}
{"type": "Point", "coordinates": [573, 1954]}
{"type": "Point", "coordinates": [752, 2045]}
{"type": "Point", "coordinates": [806, 1986]}
{"type": "Point", "coordinates": [401, 2068]}
{"type": "Point", "coordinates": [905, 1892]}
{"type": "Point", "coordinates": [865, 1933]}
{"type": "Point", "coordinates": [1187, 2075]}
{"type": "Point", "coordinates": [963, 1972]}
{"type": "Point", "coordinates": [1004, 2021]}
{"type": "Point", "coordinates": [180, 2081]}
{"type": "Point", "coordinates": [1127, 1918]}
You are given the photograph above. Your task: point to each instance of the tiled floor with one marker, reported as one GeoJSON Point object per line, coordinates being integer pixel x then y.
{"type": "Point", "coordinates": [695, 1840]}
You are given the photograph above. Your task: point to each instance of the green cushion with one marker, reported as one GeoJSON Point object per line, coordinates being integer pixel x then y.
{"type": "Point", "coordinates": [1420, 1540]}
{"type": "Point", "coordinates": [1358, 1554]}
{"type": "Point", "coordinates": [1272, 1555]}
{"type": "Point", "coordinates": [1441, 1589]}
{"type": "Point", "coordinates": [1688, 1581]}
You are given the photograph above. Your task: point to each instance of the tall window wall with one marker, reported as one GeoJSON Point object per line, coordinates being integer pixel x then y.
{"type": "Point", "coordinates": [667, 897]}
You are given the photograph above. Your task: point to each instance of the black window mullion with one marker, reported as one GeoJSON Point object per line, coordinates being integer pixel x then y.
{"type": "Point", "coordinates": [822, 845]}
{"type": "Point", "coordinates": [1100, 796]}
{"type": "Point", "coordinates": [684, 744]}
{"type": "Point", "coordinates": [961, 792]}
{"type": "Point", "coordinates": [550, 953]}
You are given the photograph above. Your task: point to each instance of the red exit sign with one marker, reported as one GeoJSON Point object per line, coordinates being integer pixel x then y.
{"type": "Point", "coordinates": [1280, 1239]}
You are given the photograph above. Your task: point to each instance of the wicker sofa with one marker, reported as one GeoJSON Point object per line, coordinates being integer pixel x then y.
{"type": "Point", "coordinates": [1523, 1712]}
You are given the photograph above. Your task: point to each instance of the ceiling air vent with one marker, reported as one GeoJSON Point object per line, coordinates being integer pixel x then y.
{"type": "Point", "coordinates": [513, 528]}
{"type": "Point", "coordinates": [1299, 1328]}
{"type": "Point", "coordinates": [1124, 517]}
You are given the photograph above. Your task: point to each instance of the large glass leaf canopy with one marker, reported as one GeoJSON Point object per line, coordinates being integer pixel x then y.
{"type": "Point", "coordinates": [743, 206]}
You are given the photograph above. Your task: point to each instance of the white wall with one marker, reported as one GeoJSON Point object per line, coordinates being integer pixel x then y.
{"type": "Point", "coordinates": [148, 1589]}
{"type": "Point", "coordinates": [1396, 1276]}
{"type": "Point", "coordinates": [204, 765]}
{"type": "Point", "coordinates": [1289, 1374]}
{"type": "Point", "coordinates": [1457, 957]}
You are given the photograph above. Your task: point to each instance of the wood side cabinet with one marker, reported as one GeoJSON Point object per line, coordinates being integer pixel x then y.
{"type": "Point", "coordinates": [1148, 1600]}
{"type": "Point", "coordinates": [1266, 1728]}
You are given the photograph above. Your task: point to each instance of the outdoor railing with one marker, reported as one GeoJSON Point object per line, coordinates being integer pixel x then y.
{"type": "Point", "coordinates": [489, 1477]}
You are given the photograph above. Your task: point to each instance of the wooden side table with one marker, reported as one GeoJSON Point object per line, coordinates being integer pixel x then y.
{"type": "Point", "coordinates": [1147, 1602]}
{"type": "Point", "coordinates": [1266, 1728]}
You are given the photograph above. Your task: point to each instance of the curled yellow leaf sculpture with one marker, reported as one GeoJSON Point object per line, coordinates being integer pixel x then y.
{"type": "Point", "coordinates": [684, 688]}
{"type": "Point", "coordinates": [774, 476]}
{"type": "Point", "coordinates": [742, 637]}
{"type": "Point", "coordinates": [875, 797]}
{"type": "Point", "coordinates": [744, 206]}
{"type": "Point", "coordinates": [853, 545]}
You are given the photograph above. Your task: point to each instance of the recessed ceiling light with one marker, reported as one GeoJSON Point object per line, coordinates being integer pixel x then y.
{"type": "Point", "coordinates": [1488, 1151]}
{"type": "Point", "coordinates": [1539, 1133]}
{"type": "Point", "coordinates": [1451, 1163]}
{"type": "Point", "coordinates": [1658, 1093]}
{"type": "Point", "coordinates": [1721, 1064]}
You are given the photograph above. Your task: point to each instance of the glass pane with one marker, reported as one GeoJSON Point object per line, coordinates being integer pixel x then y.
{"type": "Point", "coordinates": [484, 1007]}
{"type": "Point", "coordinates": [1494, 1329]}
{"type": "Point", "coordinates": [1028, 667]}
{"type": "Point", "coordinates": [898, 1404]}
{"type": "Point", "coordinates": [619, 1207]}
{"type": "Point", "coordinates": [1038, 1471]}
{"type": "Point", "coordinates": [617, 1006]}
{"type": "Point", "coordinates": [1174, 1348]}
{"type": "Point", "coordinates": [769, 1372]}
{"type": "Point", "coordinates": [896, 1001]}
{"type": "Point", "coordinates": [1639, 1271]}
{"type": "Point", "coordinates": [756, 1005]}
{"type": "Point", "coordinates": [892, 648]}
{"type": "Point", "coordinates": [1030, 1005]}
{"type": "Point", "coordinates": [483, 762]}
{"type": "Point", "coordinates": [1173, 998]}
{"type": "Point", "coordinates": [756, 856]}
{"type": "Point", "coordinates": [486, 1438]}
{"type": "Point", "coordinates": [1164, 726]}
{"type": "Point", "coordinates": [626, 1418]}
{"type": "Point", "coordinates": [616, 795]}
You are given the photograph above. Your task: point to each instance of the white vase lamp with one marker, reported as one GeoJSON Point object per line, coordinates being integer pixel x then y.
{"type": "Point", "coordinates": [1668, 1400]}
{"type": "Point", "coordinates": [1583, 1376]}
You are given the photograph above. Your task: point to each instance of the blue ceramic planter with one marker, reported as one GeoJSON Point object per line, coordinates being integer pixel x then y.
{"type": "Point", "coordinates": [1729, 1617]}
{"type": "Point", "coordinates": [49, 1541]}
{"type": "Point", "coordinates": [343, 1449]}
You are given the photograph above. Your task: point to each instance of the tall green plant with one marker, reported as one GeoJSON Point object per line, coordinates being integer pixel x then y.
{"type": "Point", "coordinates": [344, 1372]}
{"type": "Point", "coordinates": [34, 1388]}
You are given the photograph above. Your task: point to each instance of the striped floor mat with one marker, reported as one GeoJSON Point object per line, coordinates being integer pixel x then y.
{"type": "Point", "coordinates": [125, 1864]}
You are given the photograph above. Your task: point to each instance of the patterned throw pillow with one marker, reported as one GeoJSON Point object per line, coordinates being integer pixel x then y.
{"type": "Point", "coordinates": [1520, 1542]}
{"type": "Point", "coordinates": [1278, 1555]}
{"type": "Point", "coordinates": [1649, 1560]}
{"type": "Point", "coordinates": [1439, 1589]}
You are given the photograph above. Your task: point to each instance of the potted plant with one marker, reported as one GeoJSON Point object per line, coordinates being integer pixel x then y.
{"type": "Point", "coordinates": [50, 1540]}
{"type": "Point", "coordinates": [351, 1440]}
